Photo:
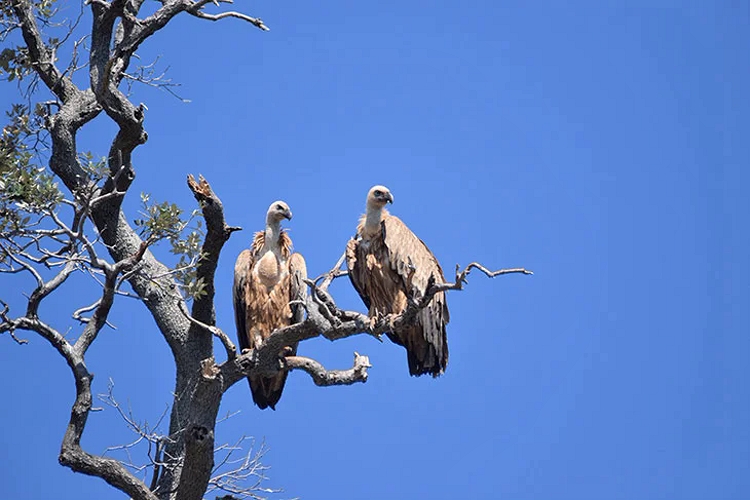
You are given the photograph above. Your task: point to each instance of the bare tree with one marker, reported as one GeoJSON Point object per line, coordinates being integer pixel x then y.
{"type": "Point", "coordinates": [49, 235]}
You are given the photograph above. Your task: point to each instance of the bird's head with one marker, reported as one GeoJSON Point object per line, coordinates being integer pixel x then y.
{"type": "Point", "coordinates": [277, 211]}
{"type": "Point", "coordinates": [378, 197]}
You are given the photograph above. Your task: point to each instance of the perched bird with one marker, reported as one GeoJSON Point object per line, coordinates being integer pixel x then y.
{"type": "Point", "coordinates": [267, 277]}
{"type": "Point", "coordinates": [386, 262]}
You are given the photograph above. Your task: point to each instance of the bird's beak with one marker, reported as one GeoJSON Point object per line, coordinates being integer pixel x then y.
{"type": "Point", "coordinates": [389, 198]}
{"type": "Point", "coordinates": [288, 214]}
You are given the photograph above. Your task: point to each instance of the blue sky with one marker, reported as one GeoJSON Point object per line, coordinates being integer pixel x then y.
{"type": "Point", "coordinates": [603, 146]}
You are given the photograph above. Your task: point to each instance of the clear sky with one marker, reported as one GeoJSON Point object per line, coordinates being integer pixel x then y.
{"type": "Point", "coordinates": [603, 146]}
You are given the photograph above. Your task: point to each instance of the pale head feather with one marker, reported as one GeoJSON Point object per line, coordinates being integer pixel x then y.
{"type": "Point", "coordinates": [378, 197]}
{"type": "Point", "coordinates": [277, 211]}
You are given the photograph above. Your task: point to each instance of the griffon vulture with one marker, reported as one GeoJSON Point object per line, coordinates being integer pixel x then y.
{"type": "Point", "coordinates": [381, 260]}
{"type": "Point", "coordinates": [267, 277]}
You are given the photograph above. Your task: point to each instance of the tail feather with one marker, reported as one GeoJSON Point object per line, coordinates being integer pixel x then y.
{"type": "Point", "coordinates": [267, 390]}
{"type": "Point", "coordinates": [425, 363]}
{"type": "Point", "coordinates": [424, 357]}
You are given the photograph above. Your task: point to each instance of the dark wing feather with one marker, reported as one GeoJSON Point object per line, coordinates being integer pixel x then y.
{"type": "Point", "coordinates": [298, 288]}
{"type": "Point", "coordinates": [263, 389]}
{"type": "Point", "coordinates": [352, 265]}
{"type": "Point", "coordinates": [242, 268]}
{"type": "Point", "coordinates": [426, 342]}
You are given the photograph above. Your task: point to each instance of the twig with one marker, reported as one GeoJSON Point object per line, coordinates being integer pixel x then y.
{"type": "Point", "coordinates": [255, 21]}
{"type": "Point", "coordinates": [229, 346]}
{"type": "Point", "coordinates": [7, 324]}
{"type": "Point", "coordinates": [24, 265]}
{"type": "Point", "coordinates": [324, 301]}
{"type": "Point", "coordinates": [250, 465]}
{"type": "Point", "coordinates": [77, 314]}
{"type": "Point", "coordinates": [334, 273]}
{"type": "Point", "coordinates": [492, 274]}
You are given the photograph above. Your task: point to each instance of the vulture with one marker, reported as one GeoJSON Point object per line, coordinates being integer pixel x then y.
{"type": "Point", "coordinates": [386, 261]}
{"type": "Point", "coordinates": [267, 277]}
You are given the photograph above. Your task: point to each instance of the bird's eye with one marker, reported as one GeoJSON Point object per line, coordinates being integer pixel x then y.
{"type": "Point", "coordinates": [378, 193]}
{"type": "Point", "coordinates": [279, 207]}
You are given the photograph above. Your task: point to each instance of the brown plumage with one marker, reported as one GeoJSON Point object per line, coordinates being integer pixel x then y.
{"type": "Point", "coordinates": [380, 261]}
{"type": "Point", "coordinates": [267, 277]}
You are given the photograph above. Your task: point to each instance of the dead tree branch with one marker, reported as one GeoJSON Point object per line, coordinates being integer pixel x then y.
{"type": "Point", "coordinates": [257, 22]}
{"type": "Point", "coordinates": [323, 377]}
{"type": "Point", "coordinates": [217, 233]}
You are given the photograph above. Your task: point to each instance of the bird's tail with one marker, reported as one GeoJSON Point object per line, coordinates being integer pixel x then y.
{"type": "Point", "coordinates": [425, 356]}
{"type": "Point", "coordinates": [267, 390]}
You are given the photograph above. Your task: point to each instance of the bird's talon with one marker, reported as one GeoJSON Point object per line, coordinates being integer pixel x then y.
{"type": "Point", "coordinates": [373, 323]}
{"type": "Point", "coordinates": [391, 320]}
